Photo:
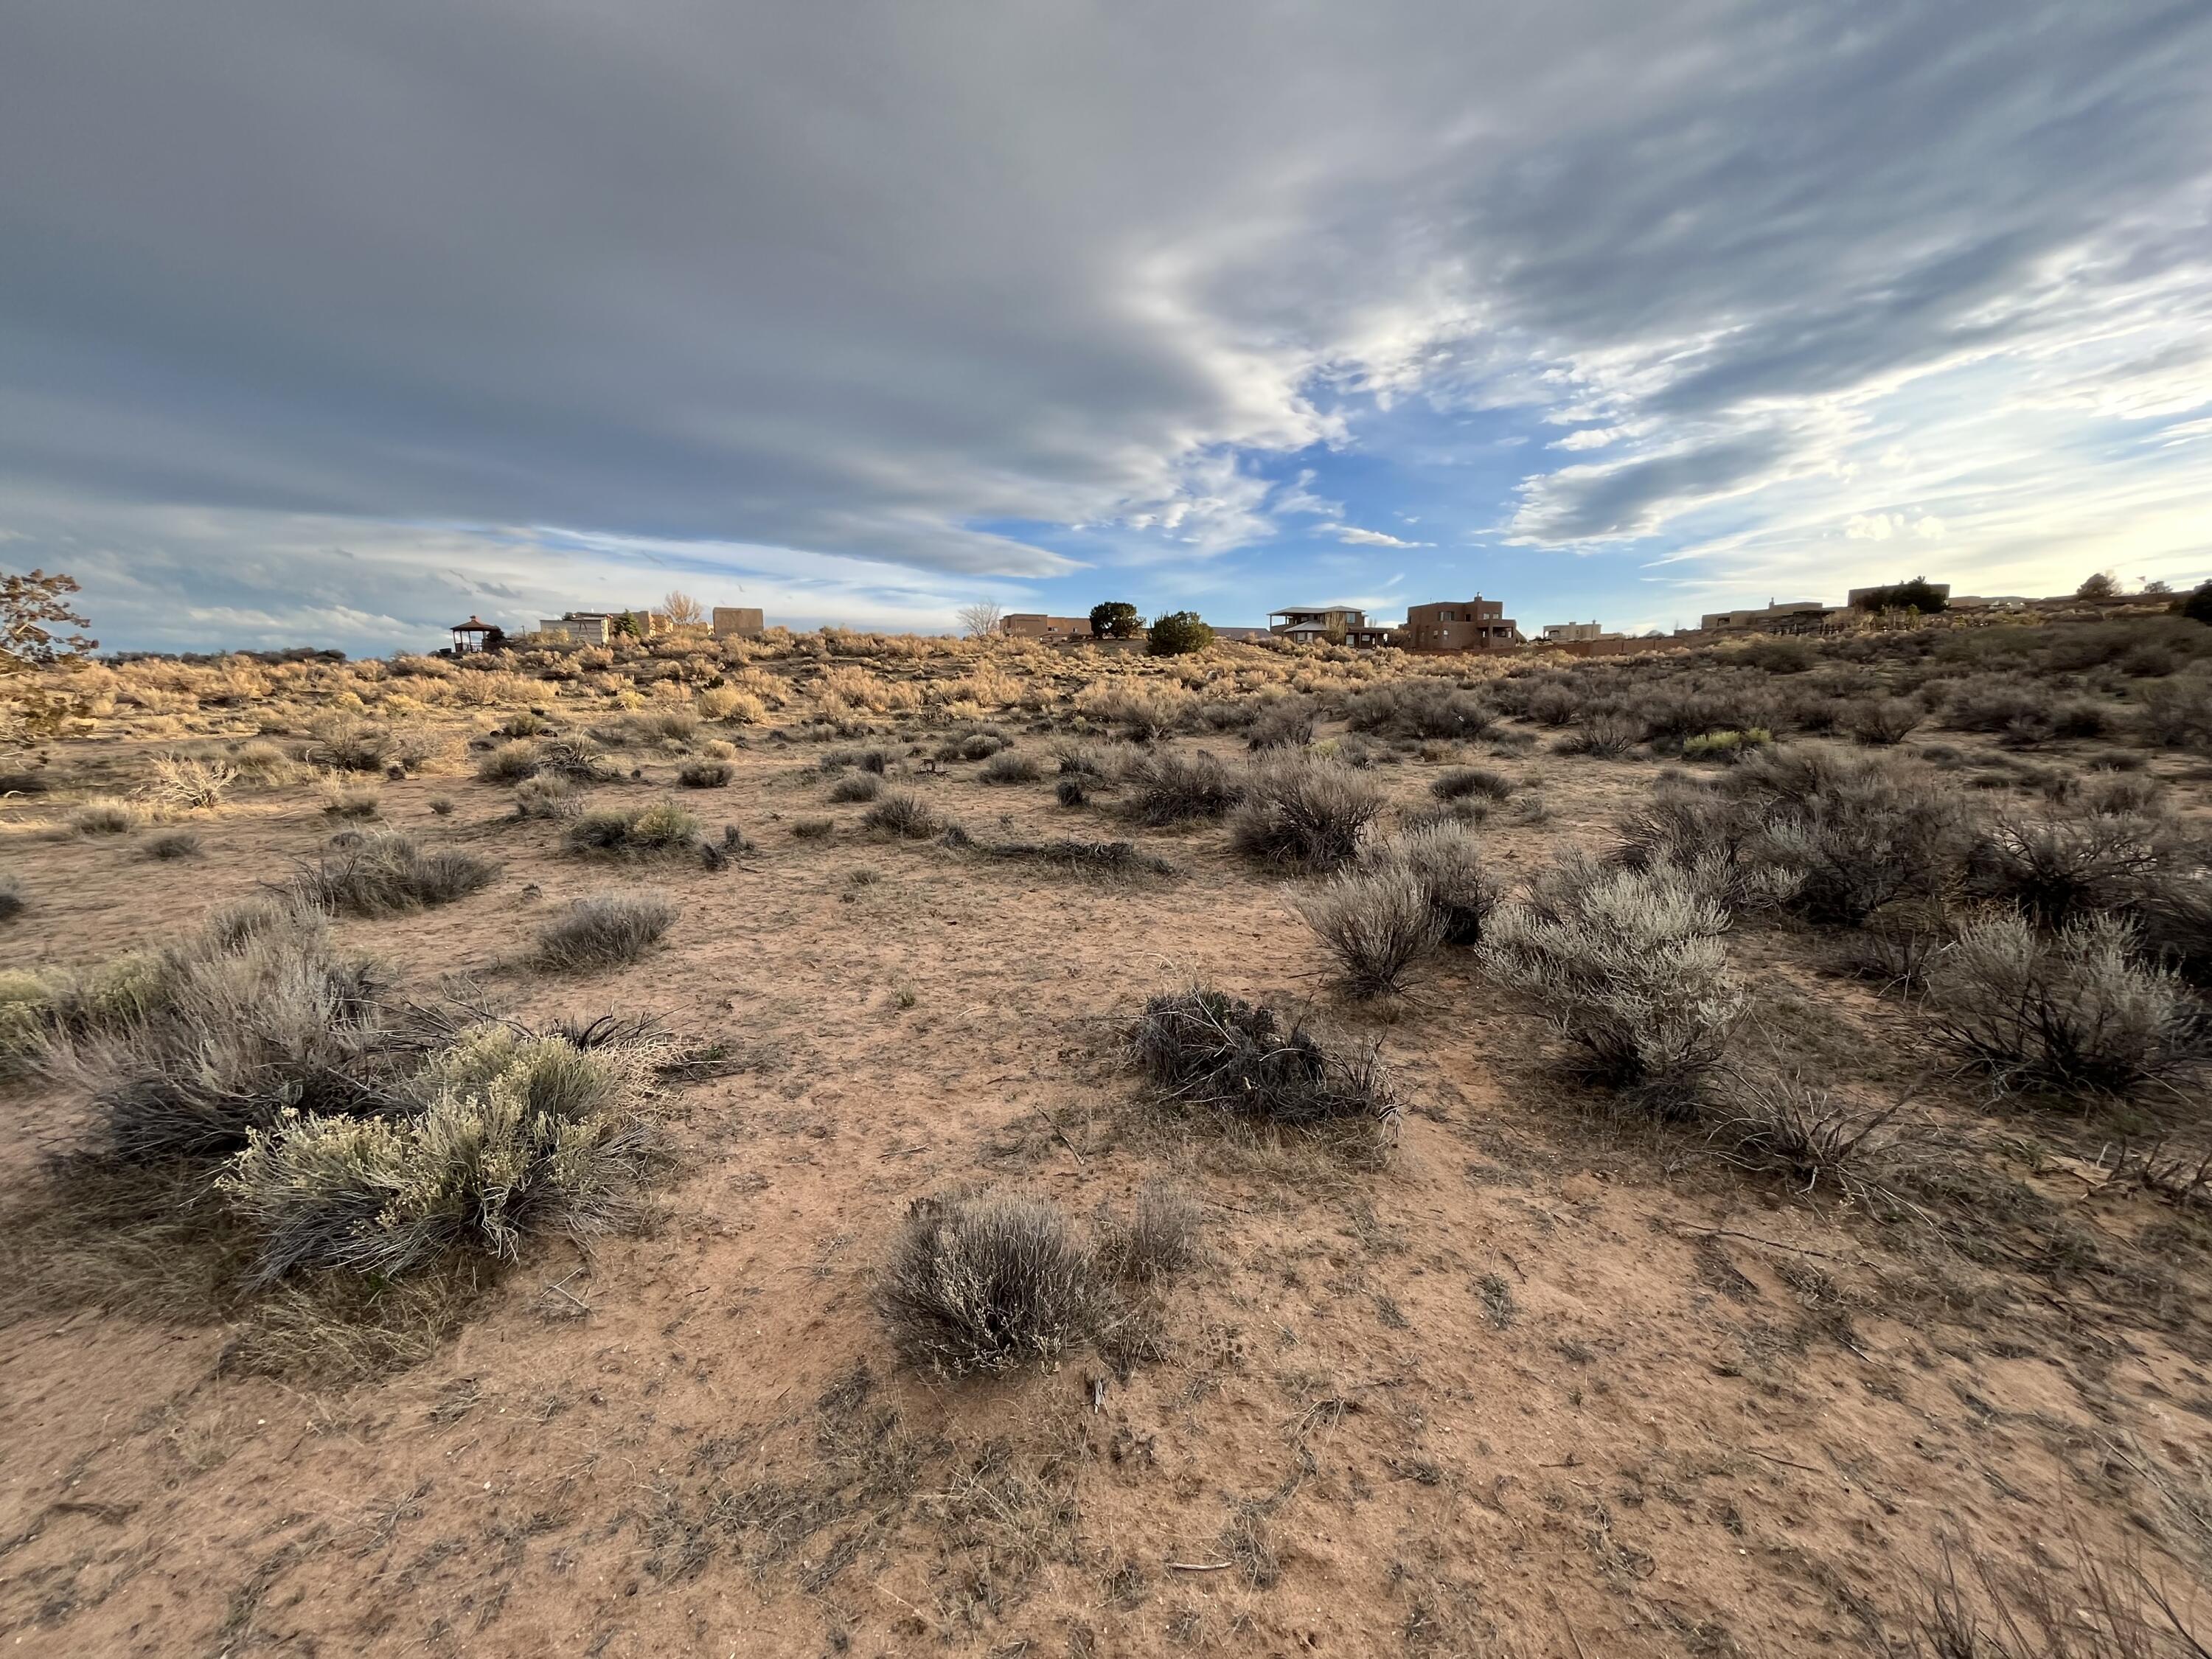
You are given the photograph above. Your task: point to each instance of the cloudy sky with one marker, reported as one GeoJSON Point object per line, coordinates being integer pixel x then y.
{"type": "Point", "coordinates": [330, 322]}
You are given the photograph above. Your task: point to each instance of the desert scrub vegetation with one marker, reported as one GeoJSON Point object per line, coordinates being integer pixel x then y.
{"type": "Point", "coordinates": [1470, 783]}
{"type": "Point", "coordinates": [1830, 837]}
{"type": "Point", "coordinates": [12, 901]}
{"type": "Point", "coordinates": [1216, 1055]}
{"type": "Point", "coordinates": [172, 844]}
{"type": "Point", "coordinates": [2075, 1012]}
{"type": "Point", "coordinates": [706, 774]}
{"type": "Point", "coordinates": [105, 815]}
{"type": "Point", "coordinates": [187, 783]}
{"type": "Point", "coordinates": [1167, 788]}
{"type": "Point", "coordinates": [388, 874]}
{"type": "Point", "coordinates": [1302, 812]}
{"type": "Point", "coordinates": [607, 930]}
{"type": "Point", "coordinates": [1628, 965]}
{"type": "Point", "coordinates": [499, 1134]}
{"type": "Point", "coordinates": [511, 763]}
{"type": "Point", "coordinates": [1011, 766]}
{"type": "Point", "coordinates": [342, 798]}
{"type": "Point", "coordinates": [661, 830]}
{"type": "Point", "coordinates": [984, 1284]}
{"type": "Point", "coordinates": [1420, 708]}
{"type": "Point", "coordinates": [904, 814]}
{"type": "Point", "coordinates": [1375, 919]}
{"type": "Point", "coordinates": [547, 796]}
{"type": "Point", "coordinates": [1445, 859]}
{"type": "Point", "coordinates": [856, 787]}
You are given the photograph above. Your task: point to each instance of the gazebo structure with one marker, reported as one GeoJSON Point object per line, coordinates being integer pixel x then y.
{"type": "Point", "coordinates": [474, 634]}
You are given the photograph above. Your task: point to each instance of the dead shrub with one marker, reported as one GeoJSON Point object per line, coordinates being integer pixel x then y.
{"type": "Point", "coordinates": [1375, 919]}
{"type": "Point", "coordinates": [2056, 869]}
{"type": "Point", "coordinates": [1806, 1134]}
{"type": "Point", "coordinates": [1604, 735]}
{"type": "Point", "coordinates": [387, 874]}
{"type": "Point", "coordinates": [1304, 811]}
{"type": "Point", "coordinates": [1216, 1054]}
{"type": "Point", "coordinates": [608, 930]}
{"type": "Point", "coordinates": [904, 814]}
{"type": "Point", "coordinates": [2072, 1011]}
{"type": "Point", "coordinates": [189, 784]}
{"type": "Point", "coordinates": [1168, 787]}
{"type": "Point", "coordinates": [990, 1283]}
{"type": "Point", "coordinates": [1629, 966]}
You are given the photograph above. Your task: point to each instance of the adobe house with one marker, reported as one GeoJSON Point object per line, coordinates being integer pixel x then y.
{"type": "Point", "coordinates": [1788, 616]}
{"type": "Point", "coordinates": [1326, 625]}
{"type": "Point", "coordinates": [1475, 624]}
{"type": "Point", "coordinates": [738, 623]}
{"type": "Point", "coordinates": [1564, 633]}
{"type": "Point", "coordinates": [1036, 625]}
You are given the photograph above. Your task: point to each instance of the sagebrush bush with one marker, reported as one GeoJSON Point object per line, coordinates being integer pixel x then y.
{"type": "Point", "coordinates": [1444, 857]}
{"type": "Point", "coordinates": [1629, 966]}
{"type": "Point", "coordinates": [660, 828]}
{"type": "Point", "coordinates": [904, 814]}
{"type": "Point", "coordinates": [1881, 722]}
{"type": "Point", "coordinates": [987, 1283]}
{"type": "Point", "coordinates": [513, 1133]}
{"type": "Point", "coordinates": [184, 1053]}
{"type": "Point", "coordinates": [1175, 788]}
{"type": "Point", "coordinates": [859, 787]}
{"type": "Point", "coordinates": [1420, 708]}
{"type": "Point", "coordinates": [1285, 723]}
{"type": "Point", "coordinates": [608, 930]}
{"type": "Point", "coordinates": [2178, 714]}
{"type": "Point", "coordinates": [706, 774]}
{"type": "Point", "coordinates": [1376, 920]}
{"type": "Point", "coordinates": [1011, 766]}
{"type": "Point", "coordinates": [385, 874]}
{"type": "Point", "coordinates": [1218, 1054]}
{"type": "Point", "coordinates": [1304, 810]}
{"type": "Point", "coordinates": [2076, 1011]}
{"type": "Point", "coordinates": [1604, 735]}
{"type": "Point", "coordinates": [2055, 869]}
{"type": "Point", "coordinates": [172, 844]}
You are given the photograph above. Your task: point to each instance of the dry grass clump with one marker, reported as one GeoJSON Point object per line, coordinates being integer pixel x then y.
{"type": "Point", "coordinates": [1168, 787]}
{"type": "Point", "coordinates": [608, 930]}
{"type": "Point", "coordinates": [1216, 1054]}
{"type": "Point", "coordinates": [1809, 1135]}
{"type": "Point", "coordinates": [105, 815]}
{"type": "Point", "coordinates": [904, 814]}
{"type": "Point", "coordinates": [1011, 766]}
{"type": "Point", "coordinates": [1603, 734]}
{"type": "Point", "coordinates": [1094, 858]}
{"type": "Point", "coordinates": [858, 787]}
{"type": "Point", "coordinates": [731, 704]}
{"type": "Point", "coordinates": [650, 728]}
{"type": "Point", "coordinates": [1629, 966]}
{"type": "Point", "coordinates": [706, 774]}
{"type": "Point", "coordinates": [1471, 783]}
{"type": "Point", "coordinates": [661, 829]}
{"type": "Point", "coordinates": [500, 1134]}
{"type": "Point", "coordinates": [173, 844]}
{"type": "Point", "coordinates": [1376, 920]}
{"type": "Point", "coordinates": [510, 762]}
{"type": "Point", "coordinates": [189, 784]}
{"type": "Point", "coordinates": [1159, 1239]}
{"type": "Point", "coordinates": [987, 1283]}
{"type": "Point", "coordinates": [1304, 811]}
{"type": "Point", "coordinates": [2043, 1608]}
{"type": "Point", "coordinates": [344, 743]}
{"type": "Point", "coordinates": [813, 828]}
{"type": "Point", "coordinates": [2072, 1011]}
{"type": "Point", "coordinates": [341, 800]}
{"type": "Point", "coordinates": [387, 874]}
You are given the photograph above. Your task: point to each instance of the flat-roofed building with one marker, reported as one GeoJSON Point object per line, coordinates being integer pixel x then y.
{"type": "Point", "coordinates": [1036, 625]}
{"type": "Point", "coordinates": [1566, 633]}
{"type": "Point", "coordinates": [1475, 624]}
{"type": "Point", "coordinates": [1328, 624]}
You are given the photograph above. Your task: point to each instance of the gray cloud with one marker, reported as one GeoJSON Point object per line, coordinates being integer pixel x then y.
{"type": "Point", "coordinates": [865, 282]}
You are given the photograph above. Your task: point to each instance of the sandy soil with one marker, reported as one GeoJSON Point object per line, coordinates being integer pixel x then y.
{"type": "Point", "coordinates": [1541, 1386]}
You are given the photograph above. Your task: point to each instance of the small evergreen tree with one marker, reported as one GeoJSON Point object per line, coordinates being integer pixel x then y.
{"type": "Point", "coordinates": [2198, 607]}
{"type": "Point", "coordinates": [1918, 594]}
{"type": "Point", "coordinates": [2099, 586]}
{"type": "Point", "coordinates": [1114, 619]}
{"type": "Point", "coordinates": [1179, 633]}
